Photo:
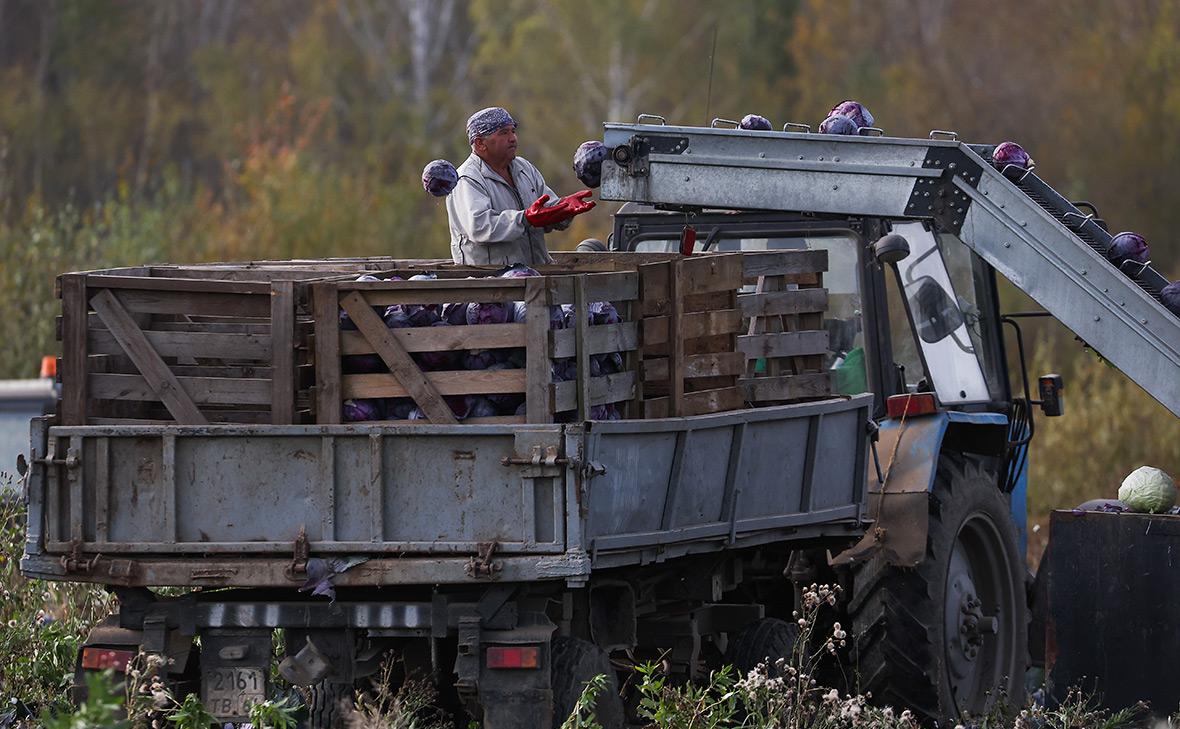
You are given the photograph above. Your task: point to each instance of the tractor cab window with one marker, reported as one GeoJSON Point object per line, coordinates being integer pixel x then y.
{"type": "Point", "coordinates": [940, 333]}
{"type": "Point", "coordinates": [843, 320]}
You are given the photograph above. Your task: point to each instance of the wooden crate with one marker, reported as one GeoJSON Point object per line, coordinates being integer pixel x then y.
{"type": "Point", "coordinates": [785, 343]}
{"type": "Point", "coordinates": [731, 330]}
{"type": "Point", "coordinates": [141, 348]}
{"type": "Point", "coordinates": [544, 398]}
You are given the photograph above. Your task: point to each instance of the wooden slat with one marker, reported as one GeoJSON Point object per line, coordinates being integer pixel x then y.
{"type": "Point", "coordinates": [164, 385]}
{"type": "Point", "coordinates": [793, 387]}
{"type": "Point", "coordinates": [442, 339]}
{"type": "Point", "coordinates": [190, 344]}
{"type": "Point", "coordinates": [397, 359]}
{"type": "Point", "coordinates": [582, 329]}
{"type": "Point", "coordinates": [73, 372]}
{"type": "Point", "coordinates": [200, 326]}
{"type": "Point", "coordinates": [600, 339]}
{"type": "Point", "coordinates": [326, 310]}
{"type": "Point", "coordinates": [778, 263]}
{"type": "Point", "coordinates": [714, 364]}
{"type": "Point", "coordinates": [786, 344]}
{"type": "Point", "coordinates": [711, 272]}
{"type": "Point", "coordinates": [676, 343]}
{"type": "Point", "coordinates": [203, 390]}
{"type": "Point", "coordinates": [698, 403]}
{"type": "Point", "coordinates": [602, 390]}
{"type": "Point", "coordinates": [537, 363]}
{"type": "Point", "coordinates": [196, 303]}
{"type": "Point", "coordinates": [783, 302]}
{"type": "Point", "coordinates": [151, 283]}
{"type": "Point", "coordinates": [700, 324]}
{"type": "Point", "coordinates": [619, 286]}
{"type": "Point", "coordinates": [479, 382]}
{"type": "Point", "coordinates": [282, 322]}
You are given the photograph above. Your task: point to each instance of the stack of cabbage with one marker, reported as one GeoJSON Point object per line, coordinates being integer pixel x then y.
{"type": "Point", "coordinates": [401, 316]}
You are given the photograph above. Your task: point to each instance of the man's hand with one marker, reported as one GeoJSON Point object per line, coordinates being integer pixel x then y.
{"type": "Point", "coordinates": [564, 209]}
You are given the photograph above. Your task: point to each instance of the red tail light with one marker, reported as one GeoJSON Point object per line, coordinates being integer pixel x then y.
{"type": "Point", "coordinates": [517, 656]}
{"type": "Point", "coordinates": [103, 658]}
{"type": "Point", "coordinates": [911, 405]}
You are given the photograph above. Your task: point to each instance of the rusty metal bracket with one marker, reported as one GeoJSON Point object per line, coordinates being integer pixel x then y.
{"type": "Point", "coordinates": [74, 562]}
{"type": "Point", "coordinates": [482, 565]}
{"type": "Point", "coordinates": [301, 552]}
{"type": "Point", "coordinates": [537, 457]}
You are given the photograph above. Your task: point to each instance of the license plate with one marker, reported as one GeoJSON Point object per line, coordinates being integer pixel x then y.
{"type": "Point", "coordinates": [229, 693]}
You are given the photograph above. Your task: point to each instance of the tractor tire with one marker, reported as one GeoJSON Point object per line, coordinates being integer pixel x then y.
{"type": "Point", "coordinates": [328, 704]}
{"type": "Point", "coordinates": [947, 638]}
{"type": "Point", "coordinates": [573, 662]}
{"type": "Point", "coordinates": [764, 641]}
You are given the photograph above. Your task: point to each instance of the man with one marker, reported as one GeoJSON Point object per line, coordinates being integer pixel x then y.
{"type": "Point", "coordinates": [489, 220]}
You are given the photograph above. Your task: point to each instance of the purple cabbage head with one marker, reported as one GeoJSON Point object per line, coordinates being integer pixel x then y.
{"type": "Point", "coordinates": [603, 312]}
{"type": "Point", "coordinates": [439, 178]}
{"type": "Point", "coordinates": [855, 111]}
{"type": "Point", "coordinates": [588, 163]}
{"type": "Point", "coordinates": [519, 270]}
{"type": "Point", "coordinates": [839, 124]}
{"type": "Point", "coordinates": [454, 314]}
{"type": "Point", "coordinates": [356, 411]}
{"type": "Point", "coordinates": [520, 315]}
{"type": "Point", "coordinates": [478, 406]}
{"type": "Point", "coordinates": [1170, 297]}
{"type": "Point", "coordinates": [755, 123]}
{"type": "Point", "coordinates": [1010, 153]}
{"type": "Point", "coordinates": [369, 277]}
{"type": "Point", "coordinates": [1128, 246]}
{"type": "Point", "coordinates": [606, 364]}
{"type": "Point", "coordinates": [605, 412]}
{"type": "Point", "coordinates": [395, 317]}
{"type": "Point", "coordinates": [435, 361]}
{"type": "Point", "coordinates": [493, 313]}
{"type": "Point", "coordinates": [479, 359]}
{"type": "Point", "coordinates": [398, 408]}
{"type": "Point", "coordinates": [564, 370]}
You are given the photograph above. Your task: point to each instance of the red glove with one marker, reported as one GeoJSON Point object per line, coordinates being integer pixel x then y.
{"type": "Point", "coordinates": [567, 207]}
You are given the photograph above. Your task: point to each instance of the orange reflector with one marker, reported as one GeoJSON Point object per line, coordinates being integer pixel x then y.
{"type": "Point", "coordinates": [911, 404]}
{"type": "Point", "coordinates": [49, 366]}
{"type": "Point", "coordinates": [502, 656]}
{"type": "Point", "coordinates": [103, 658]}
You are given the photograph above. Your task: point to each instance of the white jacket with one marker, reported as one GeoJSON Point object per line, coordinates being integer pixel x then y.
{"type": "Point", "coordinates": [487, 216]}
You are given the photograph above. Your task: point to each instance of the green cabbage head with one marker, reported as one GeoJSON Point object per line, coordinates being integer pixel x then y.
{"type": "Point", "coordinates": [1148, 489]}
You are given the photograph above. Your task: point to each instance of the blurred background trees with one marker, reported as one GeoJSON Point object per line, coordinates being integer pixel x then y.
{"type": "Point", "coordinates": [138, 130]}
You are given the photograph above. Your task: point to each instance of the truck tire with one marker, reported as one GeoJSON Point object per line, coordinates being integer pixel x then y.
{"type": "Point", "coordinates": [948, 637]}
{"type": "Point", "coordinates": [763, 641]}
{"type": "Point", "coordinates": [328, 704]}
{"type": "Point", "coordinates": [573, 663]}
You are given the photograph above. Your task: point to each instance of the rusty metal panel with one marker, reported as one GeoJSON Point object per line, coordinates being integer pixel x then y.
{"type": "Point", "coordinates": [1113, 588]}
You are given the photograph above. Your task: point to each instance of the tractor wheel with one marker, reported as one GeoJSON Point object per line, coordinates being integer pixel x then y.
{"type": "Point", "coordinates": [328, 704]}
{"type": "Point", "coordinates": [949, 637]}
{"type": "Point", "coordinates": [573, 663]}
{"type": "Point", "coordinates": [764, 641]}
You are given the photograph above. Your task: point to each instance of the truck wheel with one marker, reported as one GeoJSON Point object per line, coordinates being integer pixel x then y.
{"type": "Point", "coordinates": [328, 704]}
{"type": "Point", "coordinates": [948, 637]}
{"type": "Point", "coordinates": [573, 663]}
{"type": "Point", "coordinates": [763, 641]}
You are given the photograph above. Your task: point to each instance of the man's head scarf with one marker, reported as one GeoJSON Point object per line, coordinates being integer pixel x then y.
{"type": "Point", "coordinates": [488, 121]}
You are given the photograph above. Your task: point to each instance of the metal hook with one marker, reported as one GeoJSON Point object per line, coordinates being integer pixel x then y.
{"type": "Point", "coordinates": [651, 116]}
{"type": "Point", "coordinates": [944, 134]}
{"type": "Point", "coordinates": [796, 127]}
{"type": "Point", "coordinates": [718, 120]}
{"type": "Point", "coordinates": [871, 132]}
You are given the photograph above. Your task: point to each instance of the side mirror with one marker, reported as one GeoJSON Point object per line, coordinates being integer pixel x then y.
{"type": "Point", "coordinates": [891, 248]}
{"type": "Point", "coordinates": [1049, 388]}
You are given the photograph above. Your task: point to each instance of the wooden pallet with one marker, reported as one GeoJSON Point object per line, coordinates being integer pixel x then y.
{"type": "Point", "coordinates": [544, 398]}
{"type": "Point", "coordinates": [141, 348]}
